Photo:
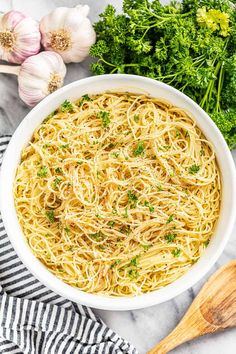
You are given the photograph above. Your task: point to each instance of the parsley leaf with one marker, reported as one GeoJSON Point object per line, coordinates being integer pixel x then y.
{"type": "Point", "coordinates": [115, 263]}
{"type": "Point", "coordinates": [105, 116]}
{"type": "Point", "coordinates": [111, 223]}
{"type": "Point", "coordinates": [115, 154]}
{"type": "Point", "coordinates": [139, 150]}
{"type": "Point", "coordinates": [97, 236]}
{"type": "Point", "coordinates": [126, 215]}
{"type": "Point", "coordinates": [85, 98]}
{"type": "Point", "coordinates": [170, 218]}
{"type": "Point", "coordinates": [64, 146]}
{"type": "Point", "coordinates": [132, 198]}
{"type": "Point", "coordinates": [147, 204]}
{"type": "Point", "coordinates": [58, 170]}
{"type": "Point", "coordinates": [56, 181]}
{"type": "Point", "coordinates": [50, 215]}
{"type": "Point", "coordinates": [67, 230]}
{"type": "Point", "coordinates": [194, 169]}
{"type": "Point", "coordinates": [176, 252]}
{"type": "Point", "coordinates": [133, 273]}
{"type": "Point", "coordinates": [134, 261]}
{"type": "Point", "coordinates": [146, 247]}
{"type": "Point", "coordinates": [66, 106]}
{"type": "Point", "coordinates": [170, 237]}
{"type": "Point", "coordinates": [160, 187]}
{"type": "Point", "coordinates": [42, 172]}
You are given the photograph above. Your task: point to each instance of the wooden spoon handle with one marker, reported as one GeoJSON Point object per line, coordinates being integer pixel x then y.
{"type": "Point", "coordinates": [189, 328]}
{"type": "Point", "coordinates": [214, 309]}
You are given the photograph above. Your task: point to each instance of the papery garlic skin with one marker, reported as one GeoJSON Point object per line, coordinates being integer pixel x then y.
{"type": "Point", "coordinates": [39, 76]}
{"type": "Point", "coordinates": [68, 32]}
{"type": "Point", "coordinates": [19, 37]}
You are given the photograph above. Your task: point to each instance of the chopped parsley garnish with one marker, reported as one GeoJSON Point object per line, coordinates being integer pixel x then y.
{"type": "Point", "coordinates": [194, 169]}
{"type": "Point", "coordinates": [42, 172]}
{"type": "Point", "coordinates": [45, 146]}
{"type": "Point", "coordinates": [170, 218]}
{"type": "Point", "coordinates": [67, 230]}
{"type": "Point", "coordinates": [139, 149]}
{"type": "Point", "coordinates": [176, 252]}
{"type": "Point", "coordinates": [206, 243]}
{"type": "Point", "coordinates": [114, 211]}
{"type": "Point", "coordinates": [170, 237]}
{"type": "Point", "coordinates": [115, 154]}
{"type": "Point", "coordinates": [49, 117]}
{"type": "Point", "coordinates": [79, 162]}
{"type": "Point", "coordinates": [126, 213]}
{"type": "Point", "coordinates": [85, 98]}
{"type": "Point", "coordinates": [64, 146]}
{"type": "Point", "coordinates": [132, 198]}
{"type": "Point", "coordinates": [134, 261]}
{"type": "Point", "coordinates": [147, 204]}
{"type": "Point", "coordinates": [166, 147]}
{"type": "Point", "coordinates": [115, 263]}
{"type": "Point", "coordinates": [105, 116]}
{"type": "Point", "coordinates": [66, 106]}
{"type": "Point", "coordinates": [177, 134]}
{"type": "Point", "coordinates": [136, 118]}
{"type": "Point", "coordinates": [50, 215]}
{"type": "Point", "coordinates": [202, 152]}
{"type": "Point", "coordinates": [128, 230]}
{"type": "Point", "coordinates": [133, 273]}
{"type": "Point", "coordinates": [98, 236]}
{"type": "Point", "coordinates": [160, 187]}
{"type": "Point", "coordinates": [111, 145]}
{"type": "Point", "coordinates": [56, 181]}
{"type": "Point", "coordinates": [111, 223]}
{"type": "Point", "coordinates": [58, 170]}
{"type": "Point", "coordinates": [146, 247]}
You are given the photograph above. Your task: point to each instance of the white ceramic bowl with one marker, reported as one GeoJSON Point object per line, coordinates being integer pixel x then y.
{"type": "Point", "coordinates": [98, 84]}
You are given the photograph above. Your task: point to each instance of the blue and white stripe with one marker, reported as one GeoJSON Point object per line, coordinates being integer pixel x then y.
{"type": "Point", "coordinates": [35, 320]}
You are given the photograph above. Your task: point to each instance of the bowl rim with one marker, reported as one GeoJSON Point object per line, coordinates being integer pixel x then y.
{"type": "Point", "coordinates": [51, 281]}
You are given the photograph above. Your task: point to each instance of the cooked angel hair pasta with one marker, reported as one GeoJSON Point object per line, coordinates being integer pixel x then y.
{"type": "Point", "coordinates": [118, 194]}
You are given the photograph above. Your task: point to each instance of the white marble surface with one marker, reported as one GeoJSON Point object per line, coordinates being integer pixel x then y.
{"type": "Point", "coordinates": [145, 327]}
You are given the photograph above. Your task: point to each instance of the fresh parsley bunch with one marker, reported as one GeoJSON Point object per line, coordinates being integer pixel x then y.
{"type": "Point", "coordinates": [189, 45]}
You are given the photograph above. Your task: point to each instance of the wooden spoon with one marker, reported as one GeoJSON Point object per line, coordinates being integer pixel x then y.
{"type": "Point", "coordinates": [213, 310]}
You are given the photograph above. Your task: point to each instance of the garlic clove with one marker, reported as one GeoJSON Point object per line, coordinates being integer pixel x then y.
{"type": "Point", "coordinates": [39, 76]}
{"type": "Point", "coordinates": [19, 37]}
{"type": "Point", "coordinates": [84, 9]}
{"type": "Point", "coordinates": [68, 32]}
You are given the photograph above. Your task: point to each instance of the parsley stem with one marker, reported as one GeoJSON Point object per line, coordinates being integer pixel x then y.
{"type": "Point", "coordinates": [168, 16]}
{"type": "Point", "coordinates": [210, 85]}
{"type": "Point", "coordinates": [113, 70]}
{"type": "Point", "coordinates": [220, 84]}
{"type": "Point", "coordinates": [106, 62]}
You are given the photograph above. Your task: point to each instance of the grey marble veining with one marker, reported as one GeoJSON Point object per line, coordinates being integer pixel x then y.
{"type": "Point", "coordinates": [146, 327]}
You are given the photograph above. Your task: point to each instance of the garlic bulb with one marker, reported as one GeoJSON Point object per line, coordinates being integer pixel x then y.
{"type": "Point", "coordinates": [68, 32]}
{"type": "Point", "coordinates": [39, 76]}
{"type": "Point", "coordinates": [19, 37]}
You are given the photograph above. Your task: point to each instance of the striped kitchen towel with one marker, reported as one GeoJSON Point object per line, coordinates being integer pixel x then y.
{"type": "Point", "coordinates": [35, 320]}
